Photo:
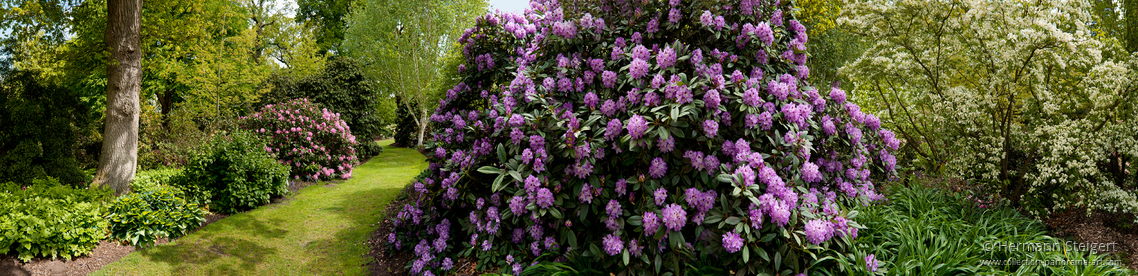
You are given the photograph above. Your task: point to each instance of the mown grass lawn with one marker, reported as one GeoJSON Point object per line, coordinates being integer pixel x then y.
{"type": "Point", "coordinates": [322, 229]}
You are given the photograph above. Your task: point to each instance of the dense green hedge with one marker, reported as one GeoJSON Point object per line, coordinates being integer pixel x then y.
{"type": "Point", "coordinates": [41, 126]}
{"type": "Point", "coordinates": [47, 219]}
{"type": "Point", "coordinates": [233, 173]}
{"type": "Point", "coordinates": [141, 218]}
{"type": "Point", "coordinates": [341, 88]}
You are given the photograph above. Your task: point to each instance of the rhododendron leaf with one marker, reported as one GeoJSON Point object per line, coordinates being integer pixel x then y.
{"type": "Point", "coordinates": [767, 238]}
{"type": "Point", "coordinates": [498, 183]}
{"type": "Point", "coordinates": [658, 262]}
{"type": "Point", "coordinates": [490, 170]}
{"type": "Point", "coordinates": [517, 176]}
{"type": "Point", "coordinates": [726, 178]}
{"type": "Point", "coordinates": [733, 220]}
{"type": "Point", "coordinates": [572, 238]}
{"type": "Point", "coordinates": [624, 256]}
{"type": "Point", "coordinates": [501, 153]}
{"type": "Point", "coordinates": [596, 251]}
{"type": "Point", "coordinates": [746, 255]}
{"type": "Point", "coordinates": [556, 214]}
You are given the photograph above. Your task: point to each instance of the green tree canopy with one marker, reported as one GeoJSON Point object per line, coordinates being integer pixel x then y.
{"type": "Point", "coordinates": [404, 45]}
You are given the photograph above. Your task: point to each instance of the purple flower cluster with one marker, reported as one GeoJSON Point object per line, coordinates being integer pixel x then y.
{"type": "Point", "coordinates": [732, 242]}
{"type": "Point", "coordinates": [585, 100]}
{"type": "Point", "coordinates": [810, 173]}
{"type": "Point", "coordinates": [659, 196]}
{"type": "Point", "coordinates": [613, 129]}
{"type": "Point", "coordinates": [650, 223]}
{"type": "Point", "coordinates": [658, 168]}
{"type": "Point", "coordinates": [636, 126]}
{"type": "Point", "coordinates": [710, 128]}
{"type": "Point", "coordinates": [674, 217]}
{"type": "Point", "coordinates": [612, 244]}
{"type": "Point", "coordinates": [798, 114]}
{"type": "Point", "coordinates": [666, 58]}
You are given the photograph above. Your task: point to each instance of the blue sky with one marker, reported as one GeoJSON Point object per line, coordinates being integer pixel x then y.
{"type": "Point", "coordinates": [514, 6]}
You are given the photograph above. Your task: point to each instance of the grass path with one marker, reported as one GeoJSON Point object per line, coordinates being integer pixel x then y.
{"type": "Point", "coordinates": [320, 230]}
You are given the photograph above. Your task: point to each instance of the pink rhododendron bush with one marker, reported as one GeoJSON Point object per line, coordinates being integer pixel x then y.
{"type": "Point", "coordinates": [644, 135]}
{"type": "Point", "coordinates": [315, 143]}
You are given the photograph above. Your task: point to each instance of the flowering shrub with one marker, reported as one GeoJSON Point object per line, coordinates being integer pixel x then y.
{"type": "Point", "coordinates": [313, 141]}
{"type": "Point", "coordinates": [1050, 140]}
{"type": "Point", "coordinates": [643, 134]}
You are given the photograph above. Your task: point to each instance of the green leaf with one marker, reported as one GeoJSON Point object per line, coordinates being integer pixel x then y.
{"type": "Point", "coordinates": [746, 255]}
{"type": "Point", "coordinates": [501, 153]}
{"type": "Point", "coordinates": [498, 183]}
{"type": "Point", "coordinates": [490, 170]}
{"type": "Point", "coordinates": [733, 220]}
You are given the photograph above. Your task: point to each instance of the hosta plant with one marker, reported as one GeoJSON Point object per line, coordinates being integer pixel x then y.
{"type": "Point", "coordinates": [643, 135]}
{"type": "Point", "coordinates": [316, 143]}
{"type": "Point", "coordinates": [50, 220]}
{"type": "Point", "coordinates": [143, 217]}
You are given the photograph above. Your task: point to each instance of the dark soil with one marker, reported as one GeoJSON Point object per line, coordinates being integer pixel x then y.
{"type": "Point", "coordinates": [105, 253]}
{"type": "Point", "coordinates": [1099, 227]}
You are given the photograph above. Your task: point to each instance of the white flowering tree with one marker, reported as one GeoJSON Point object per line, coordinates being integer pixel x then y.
{"type": "Point", "coordinates": [1016, 94]}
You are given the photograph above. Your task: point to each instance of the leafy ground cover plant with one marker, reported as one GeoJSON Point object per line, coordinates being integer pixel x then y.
{"type": "Point", "coordinates": [141, 218]}
{"type": "Point", "coordinates": [644, 135]}
{"type": "Point", "coordinates": [313, 141]}
{"type": "Point", "coordinates": [928, 231]}
{"type": "Point", "coordinates": [149, 180]}
{"type": "Point", "coordinates": [47, 219]}
{"type": "Point", "coordinates": [233, 173]}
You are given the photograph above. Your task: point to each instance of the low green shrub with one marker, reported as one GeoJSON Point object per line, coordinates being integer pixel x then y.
{"type": "Point", "coordinates": [48, 219]}
{"type": "Point", "coordinates": [149, 180]}
{"type": "Point", "coordinates": [232, 173]}
{"type": "Point", "coordinates": [143, 217]}
{"type": "Point", "coordinates": [931, 232]}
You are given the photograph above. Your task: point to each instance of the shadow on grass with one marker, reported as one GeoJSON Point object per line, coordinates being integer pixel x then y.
{"type": "Point", "coordinates": [209, 247]}
{"type": "Point", "coordinates": [364, 209]}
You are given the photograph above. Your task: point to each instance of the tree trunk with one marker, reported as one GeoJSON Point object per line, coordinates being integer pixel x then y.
{"type": "Point", "coordinates": [422, 126]}
{"type": "Point", "coordinates": [124, 75]}
{"type": "Point", "coordinates": [1130, 40]}
{"type": "Point", "coordinates": [166, 100]}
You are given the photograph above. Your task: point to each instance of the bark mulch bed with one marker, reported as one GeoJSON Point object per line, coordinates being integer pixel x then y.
{"type": "Point", "coordinates": [1099, 227]}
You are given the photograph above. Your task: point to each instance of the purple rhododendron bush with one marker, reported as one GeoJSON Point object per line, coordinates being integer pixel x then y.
{"type": "Point", "coordinates": [315, 143]}
{"type": "Point", "coordinates": [644, 135]}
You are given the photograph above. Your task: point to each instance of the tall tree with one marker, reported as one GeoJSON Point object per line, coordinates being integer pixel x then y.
{"type": "Point", "coordinates": [328, 18]}
{"type": "Point", "coordinates": [405, 43]}
{"type": "Point", "coordinates": [124, 76]}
